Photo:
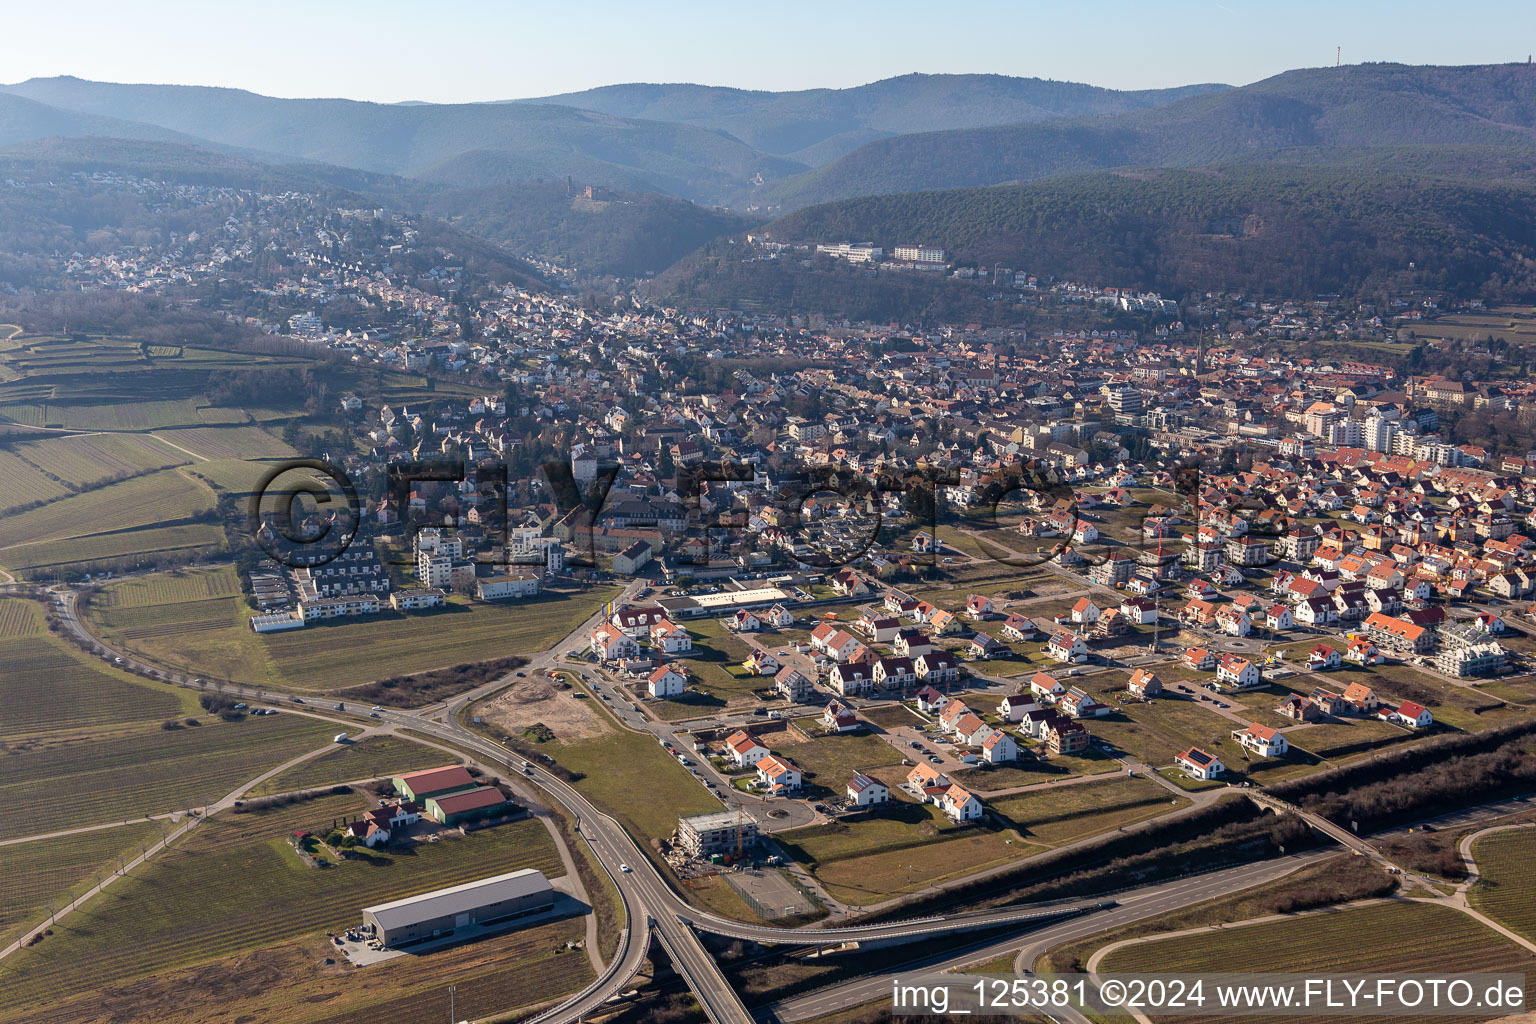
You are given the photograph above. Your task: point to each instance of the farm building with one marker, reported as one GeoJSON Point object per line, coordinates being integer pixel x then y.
{"type": "Point", "coordinates": [417, 786]}
{"type": "Point", "coordinates": [486, 901]}
{"type": "Point", "coordinates": [459, 807]}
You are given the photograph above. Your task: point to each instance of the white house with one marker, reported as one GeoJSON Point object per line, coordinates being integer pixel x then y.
{"type": "Point", "coordinates": [1261, 740]}
{"type": "Point", "coordinates": [778, 617]}
{"type": "Point", "coordinates": [777, 775]}
{"type": "Point", "coordinates": [1236, 671]}
{"type": "Point", "coordinates": [1013, 706]}
{"type": "Point", "coordinates": [609, 643]}
{"type": "Point", "coordinates": [670, 638]}
{"type": "Point", "coordinates": [1046, 687]}
{"type": "Point", "coordinates": [999, 748]}
{"type": "Point", "coordinates": [667, 681]}
{"type": "Point", "coordinates": [864, 791]}
{"type": "Point", "coordinates": [1085, 612]}
{"type": "Point", "coordinates": [839, 718]}
{"type": "Point", "coordinates": [1414, 716]}
{"type": "Point", "coordinates": [1067, 646]}
{"type": "Point", "coordinates": [1197, 764]}
{"type": "Point", "coordinates": [958, 804]}
{"type": "Point", "coordinates": [743, 749]}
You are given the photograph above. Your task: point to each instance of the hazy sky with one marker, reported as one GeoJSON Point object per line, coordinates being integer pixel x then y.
{"type": "Point", "coordinates": [447, 51]}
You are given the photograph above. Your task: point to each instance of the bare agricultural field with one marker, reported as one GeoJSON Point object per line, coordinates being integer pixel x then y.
{"type": "Point", "coordinates": [830, 761]}
{"type": "Point", "coordinates": [892, 716]}
{"type": "Point", "coordinates": [1062, 814]}
{"type": "Point", "coordinates": [895, 871]}
{"type": "Point", "coordinates": [537, 700]}
{"type": "Point", "coordinates": [1344, 737]}
{"type": "Point", "coordinates": [213, 637]}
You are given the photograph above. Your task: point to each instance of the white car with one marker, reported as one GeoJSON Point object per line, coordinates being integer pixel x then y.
{"type": "Point", "coordinates": [624, 868]}
{"type": "Point", "coordinates": [375, 708]}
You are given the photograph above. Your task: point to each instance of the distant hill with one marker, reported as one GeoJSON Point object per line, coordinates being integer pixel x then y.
{"type": "Point", "coordinates": [1258, 229]}
{"type": "Point", "coordinates": [818, 125]}
{"type": "Point", "coordinates": [627, 234]}
{"type": "Point", "coordinates": [464, 144]}
{"type": "Point", "coordinates": [1357, 107]}
{"type": "Point", "coordinates": [22, 120]}
{"type": "Point", "coordinates": [193, 164]}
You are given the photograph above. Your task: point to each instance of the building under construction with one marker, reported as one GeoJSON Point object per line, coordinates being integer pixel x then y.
{"type": "Point", "coordinates": [723, 832]}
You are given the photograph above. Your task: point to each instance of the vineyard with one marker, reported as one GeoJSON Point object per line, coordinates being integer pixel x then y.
{"type": "Point", "coordinates": [83, 552]}
{"type": "Point", "coordinates": [49, 686]}
{"type": "Point", "coordinates": [82, 460]}
{"type": "Point", "coordinates": [213, 895]}
{"type": "Point", "coordinates": [1507, 890]}
{"type": "Point", "coordinates": [121, 776]}
{"type": "Point", "coordinates": [23, 484]}
{"type": "Point", "coordinates": [138, 502]}
{"type": "Point", "coordinates": [1397, 937]}
{"type": "Point", "coordinates": [54, 871]}
{"type": "Point", "coordinates": [174, 587]}
{"type": "Point", "coordinates": [231, 442]}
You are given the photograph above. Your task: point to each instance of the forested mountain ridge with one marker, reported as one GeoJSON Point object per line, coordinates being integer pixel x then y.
{"type": "Point", "coordinates": [1258, 229]}
{"type": "Point", "coordinates": [1322, 109]}
{"type": "Point", "coordinates": [460, 144]}
{"type": "Point", "coordinates": [816, 125]}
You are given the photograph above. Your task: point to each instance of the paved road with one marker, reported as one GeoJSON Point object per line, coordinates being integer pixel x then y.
{"type": "Point", "coordinates": [652, 906]}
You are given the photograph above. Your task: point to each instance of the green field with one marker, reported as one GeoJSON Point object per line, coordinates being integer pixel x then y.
{"type": "Point", "coordinates": [54, 871]}
{"type": "Point", "coordinates": [369, 758]}
{"type": "Point", "coordinates": [631, 777]}
{"type": "Point", "coordinates": [93, 779]}
{"type": "Point", "coordinates": [144, 501]}
{"type": "Point", "coordinates": [1344, 737]}
{"type": "Point", "coordinates": [830, 761]}
{"type": "Point", "coordinates": [1506, 890]}
{"type": "Point", "coordinates": [234, 885]}
{"type": "Point", "coordinates": [49, 686]}
{"type": "Point", "coordinates": [212, 636]}
{"type": "Point", "coordinates": [900, 850]}
{"type": "Point", "coordinates": [1399, 937]}
{"type": "Point", "coordinates": [1064, 814]}
{"type": "Point", "coordinates": [892, 716]}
